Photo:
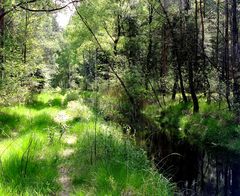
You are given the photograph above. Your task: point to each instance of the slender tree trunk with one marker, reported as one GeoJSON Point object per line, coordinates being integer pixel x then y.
{"type": "Point", "coordinates": [217, 52]}
{"type": "Point", "coordinates": [2, 27]}
{"type": "Point", "coordinates": [226, 54]}
{"type": "Point", "coordinates": [175, 53]}
{"type": "Point", "coordinates": [25, 38]}
{"type": "Point", "coordinates": [217, 37]}
{"type": "Point", "coordinates": [181, 82]}
{"type": "Point", "coordinates": [192, 88]}
{"type": "Point", "coordinates": [190, 66]}
{"type": "Point", "coordinates": [175, 87]}
{"type": "Point", "coordinates": [204, 68]}
{"type": "Point", "coordinates": [235, 60]}
{"type": "Point", "coordinates": [202, 32]}
{"type": "Point", "coordinates": [150, 44]}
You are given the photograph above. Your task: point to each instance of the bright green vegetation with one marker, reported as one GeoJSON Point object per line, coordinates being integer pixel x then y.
{"type": "Point", "coordinates": [214, 125]}
{"type": "Point", "coordinates": [79, 101]}
{"type": "Point", "coordinates": [32, 151]}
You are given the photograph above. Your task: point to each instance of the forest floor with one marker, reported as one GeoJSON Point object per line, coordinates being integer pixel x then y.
{"type": "Point", "coordinates": [57, 145]}
{"type": "Point", "coordinates": [214, 125]}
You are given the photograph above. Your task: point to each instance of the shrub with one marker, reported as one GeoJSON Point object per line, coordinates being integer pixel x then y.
{"type": "Point", "coordinates": [71, 96]}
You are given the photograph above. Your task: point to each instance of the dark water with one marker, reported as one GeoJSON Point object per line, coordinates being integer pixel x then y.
{"type": "Point", "coordinates": [208, 171]}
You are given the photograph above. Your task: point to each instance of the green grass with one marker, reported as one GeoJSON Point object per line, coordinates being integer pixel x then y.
{"type": "Point", "coordinates": [25, 171]}
{"type": "Point", "coordinates": [25, 168]}
{"type": "Point", "coordinates": [30, 151]}
{"type": "Point", "coordinates": [211, 126]}
{"type": "Point", "coordinates": [118, 167]}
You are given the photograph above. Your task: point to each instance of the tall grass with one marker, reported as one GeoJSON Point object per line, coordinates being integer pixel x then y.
{"type": "Point", "coordinates": [116, 168]}
{"type": "Point", "coordinates": [30, 151]}
{"type": "Point", "coordinates": [28, 161]}
{"type": "Point", "coordinates": [211, 126]}
{"type": "Point", "coordinates": [23, 169]}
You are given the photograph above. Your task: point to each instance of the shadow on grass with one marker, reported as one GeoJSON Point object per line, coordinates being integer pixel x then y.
{"type": "Point", "coordinates": [77, 120]}
{"type": "Point", "coordinates": [11, 120]}
{"type": "Point", "coordinates": [39, 105]}
{"type": "Point", "coordinates": [21, 124]}
{"type": "Point", "coordinates": [41, 122]}
{"type": "Point", "coordinates": [31, 176]}
{"type": "Point", "coordinates": [10, 123]}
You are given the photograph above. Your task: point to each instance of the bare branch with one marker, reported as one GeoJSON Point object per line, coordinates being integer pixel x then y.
{"type": "Point", "coordinates": [22, 5]}
{"type": "Point", "coordinates": [49, 10]}
{"type": "Point", "coordinates": [15, 6]}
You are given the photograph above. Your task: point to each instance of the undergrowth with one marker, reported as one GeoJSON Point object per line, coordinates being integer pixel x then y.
{"type": "Point", "coordinates": [31, 142]}
{"type": "Point", "coordinates": [116, 167]}
{"type": "Point", "coordinates": [211, 126]}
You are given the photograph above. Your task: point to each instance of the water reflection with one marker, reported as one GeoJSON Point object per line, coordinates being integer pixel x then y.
{"type": "Point", "coordinates": [209, 171]}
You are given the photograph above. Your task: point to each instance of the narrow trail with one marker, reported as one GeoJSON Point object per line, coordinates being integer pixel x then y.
{"type": "Point", "coordinates": [65, 169]}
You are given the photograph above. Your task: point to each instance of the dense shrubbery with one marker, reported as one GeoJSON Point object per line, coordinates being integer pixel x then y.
{"type": "Point", "coordinates": [211, 126]}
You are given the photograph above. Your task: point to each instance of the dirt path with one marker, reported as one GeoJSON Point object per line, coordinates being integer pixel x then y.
{"type": "Point", "coordinates": [64, 168]}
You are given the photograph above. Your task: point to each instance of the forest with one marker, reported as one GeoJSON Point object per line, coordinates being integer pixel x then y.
{"type": "Point", "coordinates": [120, 97]}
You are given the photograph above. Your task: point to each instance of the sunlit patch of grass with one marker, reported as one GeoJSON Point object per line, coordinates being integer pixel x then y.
{"type": "Point", "coordinates": [30, 169]}
{"type": "Point", "coordinates": [49, 96]}
{"type": "Point", "coordinates": [30, 159]}
{"type": "Point", "coordinates": [118, 168]}
{"type": "Point", "coordinates": [77, 126]}
{"type": "Point", "coordinates": [46, 100]}
{"type": "Point", "coordinates": [24, 170]}
{"type": "Point", "coordinates": [79, 109]}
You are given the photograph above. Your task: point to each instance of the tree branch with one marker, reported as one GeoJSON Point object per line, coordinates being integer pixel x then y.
{"type": "Point", "coordinates": [22, 6]}
{"type": "Point", "coordinates": [15, 6]}
{"type": "Point", "coordinates": [49, 10]}
{"type": "Point", "coordinates": [131, 99]}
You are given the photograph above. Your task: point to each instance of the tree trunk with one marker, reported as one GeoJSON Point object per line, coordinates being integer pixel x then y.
{"type": "Point", "coordinates": [235, 61]}
{"type": "Point", "coordinates": [226, 54]}
{"type": "Point", "coordinates": [148, 68]}
{"type": "Point", "coordinates": [175, 87]}
{"type": "Point", "coordinates": [175, 53]}
{"type": "Point", "coordinates": [217, 51]}
{"type": "Point", "coordinates": [25, 38]}
{"type": "Point", "coordinates": [190, 67]}
{"type": "Point", "coordinates": [2, 38]}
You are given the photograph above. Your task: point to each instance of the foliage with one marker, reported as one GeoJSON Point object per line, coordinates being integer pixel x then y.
{"type": "Point", "coordinates": [208, 127]}
{"type": "Point", "coordinates": [30, 151]}
{"type": "Point", "coordinates": [119, 168]}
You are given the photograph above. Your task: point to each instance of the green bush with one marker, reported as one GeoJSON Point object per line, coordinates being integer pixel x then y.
{"type": "Point", "coordinates": [209, 126]}
{"type": "Point", "coordinates": [71, 96]}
